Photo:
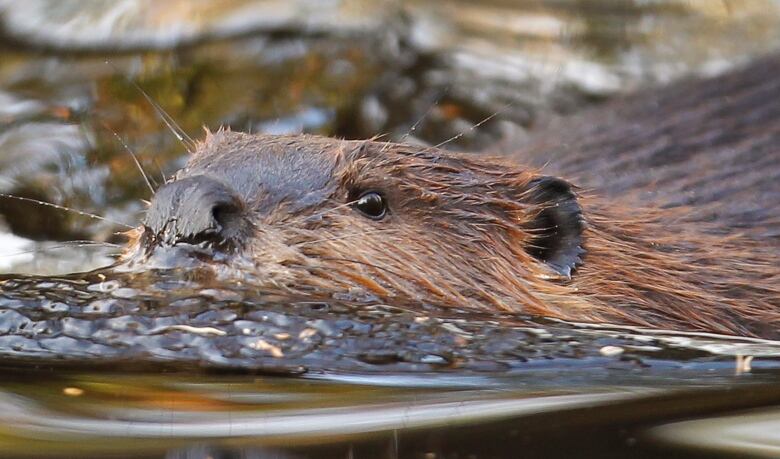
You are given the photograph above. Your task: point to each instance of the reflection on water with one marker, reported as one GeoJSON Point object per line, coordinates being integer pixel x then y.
{"type": "Point", "coordinates": [165, 364]}
{"type": "Point", "coordinates": [751, 433]}
{"type": "Point", "coordinates": [175, 320]}
{"type": "Point", "coordinates": [95, 367]}
{"type": "Point", "coordinates": [177, 415]}
{"type": "Point", "coordinates": [264, 411]}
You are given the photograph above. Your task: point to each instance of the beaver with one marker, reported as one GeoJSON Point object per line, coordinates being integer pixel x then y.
{"type": "Point", "coordinates": [675, 228]}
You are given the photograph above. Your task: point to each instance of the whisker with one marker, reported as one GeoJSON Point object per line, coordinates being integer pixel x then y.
{"type": "Point", "coordinates": [159, 168]}
{"type": "Point", "coordinates": [67, 209]}
{"type": "Point", "coordinates": [422, 118]}
{"type": "Point", "coordinates": [177, 131]}
{"type": "Point", "coordinates": [344, 236]}
{"type": "Point", "coordinates": [85, 242]}
{"type": "Point", "coordinates": [485, 120]}
{"type": "Point", "coordinates": [132, 155]}
{"type": "Point", "coordinates": [64, 245]}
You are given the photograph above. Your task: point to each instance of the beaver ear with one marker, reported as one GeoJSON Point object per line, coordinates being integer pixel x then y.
{"type": "Point", "coordinates": [558, 225]}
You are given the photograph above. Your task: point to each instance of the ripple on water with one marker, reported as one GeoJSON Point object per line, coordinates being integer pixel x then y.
{"type": "Point", "coordinates": [187, 325]}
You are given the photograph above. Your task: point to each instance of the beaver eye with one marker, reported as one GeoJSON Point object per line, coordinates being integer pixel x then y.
{"type": "Point", "coordinates": [372, 204]}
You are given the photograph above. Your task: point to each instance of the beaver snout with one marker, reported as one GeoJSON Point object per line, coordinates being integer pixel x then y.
{"type": "Point", "coordinates": [195, 210]}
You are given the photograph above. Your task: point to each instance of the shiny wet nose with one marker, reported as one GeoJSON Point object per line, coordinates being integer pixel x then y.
{"type": "Point", "coordinates": [194, 210]}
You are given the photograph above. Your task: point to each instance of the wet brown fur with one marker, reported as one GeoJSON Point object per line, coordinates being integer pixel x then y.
{"type": "Point", "coordinates": [457, 235]}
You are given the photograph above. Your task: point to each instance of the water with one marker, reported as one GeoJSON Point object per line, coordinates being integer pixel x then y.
{"type": "Point", "coordinates": [112, 414]}
{"type": "Point", "coordinates": [166, 364]}
{"type": "Point", "coordinates": [173, 365]}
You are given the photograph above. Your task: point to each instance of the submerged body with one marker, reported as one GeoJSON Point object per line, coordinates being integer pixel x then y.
{"type": "Point", "coordinates": [677, 228]}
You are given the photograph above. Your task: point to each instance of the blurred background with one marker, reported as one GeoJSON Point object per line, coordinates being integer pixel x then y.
{"type": "Point", "coordinates": [73, 73]}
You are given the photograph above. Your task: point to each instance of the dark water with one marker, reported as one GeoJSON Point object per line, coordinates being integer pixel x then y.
{"type": "Point", "coordinates": [166, 364]}
{"type": "Point", "coordinates": [175, 365]}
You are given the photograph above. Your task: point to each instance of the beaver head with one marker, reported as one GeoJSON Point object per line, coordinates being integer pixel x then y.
{"type": "Point", "coordinates": [389, 221]}
{"type": "Point", "coordinates": [380, 218]}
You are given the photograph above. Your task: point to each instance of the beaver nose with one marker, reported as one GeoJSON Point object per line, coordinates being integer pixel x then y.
{"type": "Point", "coordinates": [194, 209]}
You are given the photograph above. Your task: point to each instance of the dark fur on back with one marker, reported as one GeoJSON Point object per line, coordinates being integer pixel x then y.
{"type": "Point", "coordinates": [711, 145]}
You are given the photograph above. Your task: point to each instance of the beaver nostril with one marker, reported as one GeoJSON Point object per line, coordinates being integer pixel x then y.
{"type": "Point", "coordinates": [194, 209]}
